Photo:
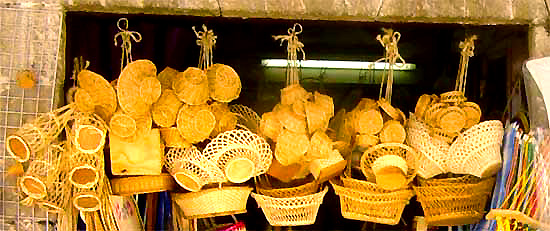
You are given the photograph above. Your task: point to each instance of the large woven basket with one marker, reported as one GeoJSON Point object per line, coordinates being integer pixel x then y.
{"type": "Point", "coordinates": [291, 211]}
{"type": "Point", "coordinates": [430, 160]}
{"type": "Point", "coordinates": [407, 153]}
{"type": "Point", "coordinates": [301, 190]}
{"type": "Point", "coordinates": [213, 202]}
{"type": "Point", "coordinates": [365, 201]}
{"type": "Point", "coordinates": [143, 184]}
{"type": "Point", "coordinates": [454, 202]}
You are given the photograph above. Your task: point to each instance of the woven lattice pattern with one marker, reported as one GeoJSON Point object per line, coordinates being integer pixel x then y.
{"type": "Point", "coordinates": [453, 97]}
{"type": "Point", "coordinates": [213, 202]}
{"type": "Point", "coordinates": [302, 190]}
{"type": "Point", "coordinates": [401, 150]}
{"type": "Point", "coordinates": [143, 184]}
{"type": "Point", "coordinates": [57, 198]}
{"type": "Point", "coordinates": [191, 169]}
{"type": "Point", "coordinates": [291, 211]}
{"type": "Point", "coordinates": [246, 117]}
{"type": "Point", "coordinates": [85, 168]}
{"type": "Point", "coordinates": [430, 158]}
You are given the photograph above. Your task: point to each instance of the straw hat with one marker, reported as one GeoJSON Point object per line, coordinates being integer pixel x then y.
{"type": "Point", "coordinates": [191, 86]}
{"type": "Point", "coordinates": [291, 147]}
{"type": "Point", "coordinates": [293, 93]}
{"type": "Point", "coordinates": [103, 94]}
{"type": "Point", "coordinates": [129, 85]}
{"type": "Point", "coordinates": [166, 77]}
{"type": "Point", "coordinates": [195, 123]}
{"type": "Point", "coordinates": [224, 83]}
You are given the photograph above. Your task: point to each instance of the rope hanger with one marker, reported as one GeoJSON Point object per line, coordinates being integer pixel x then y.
{"type": "Point", "coordinates": [294, 46]}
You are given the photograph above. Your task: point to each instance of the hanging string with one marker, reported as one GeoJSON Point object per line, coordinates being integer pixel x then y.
{"type": "Point", "coordinates": [293, 47]}
{"type": "Point", "coordinates": [467, 47]}
{"type": "Point", "coordinates": [206, 40]}
{"type": "Point", "coordinates": [127, 37]}
{"type": "Point", "coordinates": [389, 41]}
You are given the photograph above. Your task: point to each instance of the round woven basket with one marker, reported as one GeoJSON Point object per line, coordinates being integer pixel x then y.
{"type": "Point", "coordinates": [291, 147]}
{"type": "Point", "coordinates": [241, 154]}
{"type": "Point", "coordinates": [246, 117]}
{"type": "Point", "coordinates": [213, 202]}
{"type": "Point", "coordinates": [291, 211]}
{"type": "Point", "coordinates": [365, 201]}
{"type": "Point", "coordinates": [454, 204]}
{"type": "Point", "coordinates": [430, 159]}
{"type": "Point", "coordinates": [122, 125]}
{"type": "Point", "coordinates": [223, 82]}
{"type": "Point", "coordinates": [390, 171]}
{"type": "Point", "coordinates": [270, 126]}
{"type": "Point", "coordinates": [191, 86]}
{"type": "Point", "coordinates": [453, 97]}
{"type": "Point", "coordinates": [195, 123]}
{"type": "Point", "coordinates": [225, 119]}
{"type": "Point", "coordinates": [422, 105]}
{"type": "Point", "coordinates": [85, 169]}
{"type": "Point", "coordinates": [368, 122]}
{"type": "Point", "coordinates": [129, 85]}
{"type": "Point", "coordinates": [451, 119]}
{"type": "Point", "coordinates": [293, 93]}
{"type": "Point", "coordinates": [473, 113]}
{"type": "Point", "coordinates": [166, 77]}
{"type": "Point", "coordinates": [301, 190]}
{"type": "Point", "coordinates": [33, 182]}
{"type": "Point", "coordinates": [477, 150]}
{"type": "Point", "coordinates": [191, 169]}
{"type": "Point", "coordinates": [398, 149]}
{"type": "Point", "coordinates": [150, 90]}
{"type": "Point", "coordinates": [87, 200]}
{"type": "Point", "coordinates": [172, 138]}
{"type": "Point", "coordinates": [165, 110]}
{"type": "Point", "coordinates": [100, 91]}
{"type": "Point", "coordinates": [389, 109]}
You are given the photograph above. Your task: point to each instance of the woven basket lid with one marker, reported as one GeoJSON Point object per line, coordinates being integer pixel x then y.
{"type": "Point", "coordinates": [166, 77]}
{"type": "Point", "coordinates": [128, 87]}
{"type": "Point", "coordinates": [293, 93]}
{"type": "Point", "coordinates": [103, 93]}
{"type": "Point", "coordinates": [191, 86]}
{"type": "Point", "coordinates": [392, 132]}
{"type": "Point", "coordinates": [451, 119]}
{"type": "Point", "coordinates": [195, 123]}
{"type": "Point", "coordinates": [224, 83]}
{"type": "Point", "coordinates": [473, 113]}
{"type": "Point", "coordinates": [430, 116]}
{"type": "Point", "coordinates": [291, 147]}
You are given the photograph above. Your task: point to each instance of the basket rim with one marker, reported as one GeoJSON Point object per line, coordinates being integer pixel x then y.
{"type": "Point", "coordinates": [28, 150]}
{"type": "Point", "coordinates": [89, 195]}
{"type": "Point", "coordinates": [41, 195]}
{"type": "Point", "coordinates": [89, 184]}
{"type": "Point", "coordinates": [101, 142]}
{"type": "Point", "coordinates": [191, 195]}
{"type": "Point", "coordinates": [286, 199]}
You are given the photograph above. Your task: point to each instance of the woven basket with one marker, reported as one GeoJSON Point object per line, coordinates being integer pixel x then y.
{"type": "Point", "coordinates": [83, 100]}
{"type": "Point", "coordinates": [57, 198]}
{"type": "Point", "coordinates": [270, 126]}
{"type": "Point", "coordinates": [246, 117]}
{"type": "Point", "coordinates": [42, 172]}
{"type": "Point", "coordinates": [430, 159]}
{"type": "Point", "coordinates": [325, 102]}
{"type": "Point", "coordinates": [129, 87]}
{"type": "Point", "coordinates": [87, 200]}
{"type": "Point", "coordinates": [241, 154]}
{"type": "Point", "coordinates": [477, 150]}
{"type": "Point", "coordinates": [320, 146]}
{"type": "Point", "coordinates": [451, 119]}
{"type": "Point", "coordinates": [453, 97]}
{"type": "Point", "coordinates": [291, 147]}
{"type": "Point", "coordinates": [101, 92]}
{"type": "Point", "coordinates": [223, 82]}
{"type": "Point", "coordinates": [401, 150]}
{"type": "Point", "coordinates": [365, 201]}
{"type": "Point", "coordinates": [473, 113]}
{"type": "Point", "coordinates": [291, 120]}
{"type": "Point", "coordinates": [430, 116]}
{"type": "Point", "coordinates": [191, 86]}
{"type": "Point", "coordinates": [213, 202]}
{"type": "Point", "coordinates": [191, 169]}
{"type": "Point", "coordinates": [165, 110]}
{"type": "Point", "coordinates": [368, 122]}
{"type": "Point", "coordinates": [317, 117]}
{"type": "Point", "coordinates": [225, 119]}
{"type": "Point", "coordinates": [389, 109]}
{"type": "Point", "coordinates": [150, 90]}
{"type": "Point", "coordinates": [87, 133]}
{"type": "Point", "coordinates": [166, 77]}
{"type": "Point", "coordinates": [422, 105]}
{"type": "Point", "coordinates": [392, 132]}
{"type": "Point", "coordinates": [293, 93]}
{"type": "Point", "coordinates": [466, 179]}
{"type": "Point", "coordinates": [143, 184]}
{"type": "Point", "coordinates": [172, 138]}
{"type": "Point", "coordinates": [390, 171]}
{"type": "Point", "coordinates": [195, 123]}
{"type": "Point", "coordinates": [85, 168]}
{"type": "Point", "coordinates": [291, 211]}
{"type": "Point", "coordinates": [454, 204]}
{"type": "Point", "coordinates": [302, 190]}
{"type": "Point", "coordinates": [442, 135]}
{"type": "Point", "coordinates": [122, 125]}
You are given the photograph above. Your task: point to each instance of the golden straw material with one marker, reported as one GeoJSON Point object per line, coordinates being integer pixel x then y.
{"type": "Point", "coordinates": [466, 179]}
{"type": "Point", "coordinates": [241, 154]}
{"type": "Point", "coordinates": [122, 125]}
{"type": "Point", "coordinates": [369, 122]}
{"type": "Point", "coordinates": [166, 77]}
{"type": "Point", "coordinates": [246, 117]}
{"type": "Point", "coordinates": [473, 113]}
{"type": "Point", "coordinates": [320, 146]}
{"type": "Point", "coordinates": [172, 138]}
{"type": "Point", "coordinates": [430, 116]}
{"type": "Point", "coordinates": [224, 83]}
{"type": "Point", "coordinates": [213, 202]}
{"type": "Point", "coordinates": [291, 120]}
{"type": "Point", "coordinates": [83, 100]}
{"type": "Point", "coordinates": [101, 91]}
{"type": "Point", "coordinates": [291, 147]}
{"type": "Point", "coordinates": [318, 116]}
{"type": "Point", "coordinates": [270, 126]}
{"type": "Point", "coordinates": [150, 90]}
{"type": "Point", "coordinates": [366, 104]}
{"type": "Point", "coordinates": [442, 135]}
{"type": "Point", "coordinates": [42, 172]}
{"type": "Point", "coordinates": [390, 171]}
{"type": "Point", "coordinates": [191, 169]}
{"type": "Point", "coordinates": [195, 123]}
{"type": "Point", "coordinates": [392, 132]}
{"type": "Point", "coordinates": [422, 105]}
{"type": "Point", "coordinates": [299, 108]}
{"type": "Point", "coordinates": [85, 168]}
{"type": "Point", "coordinates": [477, 150]}
{"type": "Point", "coordinates": [451, 119]}
{"type": "Point", "coordinates": [143, 184]}
{"type": "Point", "coordinates": [365, 141]}
{"type": "Point", "coordinates": [325, 169]}
{"type": "Point", "coordinates": [431, 157]}
{"type": "Point", "coordinates": [225, 119]}
{"type": "Point", "coordinates": [293, 93]}
{"type": "Point", "coordinates": [377, 151]}
{"type": "Point", "coordinates": [454, 204]}
{"type": "Point", "coordinates": [301, 190]}
{"type": "Point", "coordinates": [191, 86]}
{"type": "Point", "coordinates": [291, 211]}
{"type": "Point", "coordinates": [361, 200]}
{"type": "Point", "coordinates": [129, 85]}
{"type": "Point", "coordinates": [389, 109]}
{"type": "Point", "coordinates": [87, 200]}
{"type": "Point", "coordinates": [453, 97]}
{"type": "Point", "coordinates": [325, 102]}
{"type": "Point", "coordinates": [58, 197]}
{"type": "Point", "coordinates": [29, 140]}
{"type": "Point", "coordinates": [165, 110]}
{"type": "Point", "coordinates": [87, 133]}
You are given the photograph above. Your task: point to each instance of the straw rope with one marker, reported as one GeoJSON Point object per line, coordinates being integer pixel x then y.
{"type": "Point", "coordinates": [389, 41]}
{"type": "Point", "coordinates": [293, 47]}
{"type": "Point", "coordinates": [206, 40]}
{"type": "Point", "coordinates": [467, 47]}
{"type": "Point", "coordinates": [126, 45]}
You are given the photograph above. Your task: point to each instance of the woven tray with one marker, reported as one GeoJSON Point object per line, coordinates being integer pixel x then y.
{"type": "Point", "coordinates": [213, 202]}
{"type": "Point", "coordinates": [143, 184]}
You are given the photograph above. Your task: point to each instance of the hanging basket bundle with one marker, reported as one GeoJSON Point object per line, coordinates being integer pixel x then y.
{"type": "Point", "coordinates": [130, 84]}
{"type": "Point", "coordinates": [224, 83]}
{"type": "Point", "coordinates": [291, 147]}
{"type": "Point", "coordinates": [191, 86]}
{"type": "Point", "coordinates": [87, 133]}
{"type": "Point", "coordinates": [291, 211]}
{"type": "Point", "coordinates": [246, 117]}
{"type": "Point", "coordinates": [213, 202]}
{"type": "Point", "coordinates": [270, 126]}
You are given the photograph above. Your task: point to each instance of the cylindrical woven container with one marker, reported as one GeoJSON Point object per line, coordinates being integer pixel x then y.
{"type": "Point", "coordinates": [365, 201]}
{"type": "Point", "coordinates": [33, 137]}
{"type": "Point", "coordinates": [87, 200]}
{"type": "Point", "coordinates": [241, 154]}
{"type": "Point", "coordinates": [191, 86]}
{"type": "Point", "coordinates": [398, 149]}
{"type": "Point", "coordinates": [453, 97]}
{"type": "Point", "coordinates": [172, 138]}
{"type": "Point", "coordinates": [477, 150]}
{"type": "Point", "coordinates": [191, 169]}
{"type": "Point", "coordinates": [456, 203]}
{"type": "Point", "coordinates": [223, 82]}
{"type": "Point", "coordinates": [195, 123]}
{"type": "Point", "coordinates": [129, 85]}
{"type": "Point", "coordinates": [291, 211]}
{"type": "Point", "coordinates": [213, 202]}
{"type": "Point", "coordinates": [57, 198]}
{"type": "Point", "coordinates": [143, 184]}
{"type": "Point", "coordinates": [85, 168]}
{"type": "Point", "coordinates": [430, 160]}
{"type": "Point", "coordinates": [42, 172]}
{"type": "Point", "coordinates": [246, 117]}
{"type": "Point", "coordinates": [87, 133]}
{"type": "Point", "coordinates": [165, 110]}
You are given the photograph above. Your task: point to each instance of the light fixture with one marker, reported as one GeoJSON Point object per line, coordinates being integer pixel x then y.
{"type": "Point", "coordinates": [339, 64]}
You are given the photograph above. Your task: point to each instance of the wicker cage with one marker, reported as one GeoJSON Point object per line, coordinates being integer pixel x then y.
{"type": "Point", "coordinates": [365, 201]}
{"type": "Point", "coordinates": [241, 154]}
{"type": "Point", "coordinates": [246, 117]}
{"type": "Point", "coordinates": [191, 169]}
{"type": "Point", "coordinates": [213, 202]}
{"type": "Point", "coordinates": [291, 211]}
{"type": "Point", "coordinates": [455, 202]}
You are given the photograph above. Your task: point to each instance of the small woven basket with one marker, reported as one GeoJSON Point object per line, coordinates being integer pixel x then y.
{"type": "Point", "coordinates": [87, 133]}
{"type": "Point", "coordinates": [318, 116]}
{"type": "Point", "coordinates": [83, 100]}
{"type": "Point", "coordinates": [87, 200]}
{"type": "Point", "coordinates": [368, 122]}
{"type": "Point", "coordinates": [172, 138]}
{"type": "Point", "coordinates": [129, 87]}
{"type": "Point", "coordinates": [191, 169]}
{"type": "Point", "coordinates": [430, 159]}
{"type": "Point", "coordinates": [398, 149]}
{"type": "Point", "coordinates": [291, 211]}
{"type": "Point", "coordinates": [213, 202]}
{"type": "Point", "coordinates": [195, 123]}
{"type": "Point", "coordinates": [456, 203]}
{"type": "Point", "coordinates": [246, 117]}
{"type": "Point", "coordinates": [291, 147]}
{"type": "Point", "coordinates": [191, 86]}
{"type": "Point", "coordinates": [224, 83]}
{"type": "Point", "coordinates": [166, 77]}
{"type": "Point", "coordinates": [422, 105]}
{"type": "Point", "coordinates": [365, 201]}
{"type": "Point", "coordinates": [165, 110]}
{"type": "Point", "coordinates": [100, 91]}
{"type": "Point", "coordinates": [143, 184]}
{"type": "Point", "coordinates": [477, 150]}
{"type": "Point", "coordinates": [85, 169]}
{"type": "Point", "coordinates": [241, 154]}
{"type": "Point", "coordinates": [451, 119]}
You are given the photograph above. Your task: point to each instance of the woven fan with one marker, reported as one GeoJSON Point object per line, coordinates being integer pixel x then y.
{"type": "Point", "coordinates": [129, 87]}
{"type": "Point", "coordinates": [100, 92]}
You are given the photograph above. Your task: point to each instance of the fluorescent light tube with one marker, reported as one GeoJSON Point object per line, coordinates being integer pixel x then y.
{"type": "Point", "coordinates": [338, 64]}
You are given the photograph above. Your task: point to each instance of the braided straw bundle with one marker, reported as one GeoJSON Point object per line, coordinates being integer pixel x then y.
{"type": "Point", "coordinates": [191, 169]}
{"type": "Point", "coordinates": [241, 154]}
{"type": "Point", "coordinates": [291, 147]}
{"type": "Point", "coordinates": [291, 211]}
{"type": "Point", "coordinates": [165, 110]}
{"type": "Point", "coordinates": [29, 140]}
{"type": "Point", "coordinates": [129, 87]}
{"type": "Point", "coordinates": [195, 123]}
{"type": "Point", "coordinates": [172, 138]}
{"type": "Point", "coordinates": [225, 119]}
{"type": "Point", "coordinates": [401, 150]}
{"type": "Point", "coordinates": [95, 89]}
{"type": "Point", "coordinates": [213, 202]}
{"type": "Point", "coordinates": [224, 83]}
{"type": "Point", "coordinates": [246, 117]}
{"type": "Point", "coordinates": [191, 86]}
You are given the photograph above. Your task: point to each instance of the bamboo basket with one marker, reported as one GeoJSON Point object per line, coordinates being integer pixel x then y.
{"type": "Point", "coordinates": [456, 203]}
{"type": "Point", "coordinates": [129, 86]}
{"type": "Point", "coordinates": [165, 110]}
{"type": "Point", "coordinates": [291, 211]}
{"type": "Point", "coordinates": [430, 159]}
{"type": "Point", "coordinates": [246, 117]}
{"type": "Point", "coordinates": [85, 169]}
{"type": "Point", "coordinates": [213, 202]}
{"type": "Point", "coordinates": [87, 133]}
{"type": "Point", "coordinates": [398, 149]}
{"type": "Point", "coordinates": [365, 201]}
{"type": "Point", "coordinates": [87, 200]}
{"type": "Point", "coordinates": [301, 190]}
{"type": "Point", "coordinates": [191, 169]}
{"type": "Point", "coordinates": [223, 82]}
{"type": "Point", "coordinates": [291, 147]}
{"type": "Point", "coordinates": [57, 199]}
{"type": "Point", "coordinates": [143, 184]}
{"type": "Point", "coordinates": [191, 86]}
{"type": "Point", "coordinates": [195, 123]}
{"type": "Point", "coordinates": [368, 122]}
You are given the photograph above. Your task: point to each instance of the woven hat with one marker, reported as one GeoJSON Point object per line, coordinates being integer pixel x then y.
{"type": "Point", "coordinates": [320, 146]}
{"type": "Point", "coordinates": [377, 151]}
{"type": "Point", "coordinates": [129, 85]}
{"type": "Point", "coordinates": [392, 132]}
{"type": "Point", "coordinates": [191, 169]}
{"type": "Point", "coordinates": [291, 147]}
{"type": "Point", "coordinates": [270, 126]}
{"type": "Point", "coordinates": [246, 117]}
{"type": "Point", "coordinates": [225, 119]}
{"type": "Point", "coordinates": [191, 86]}
{"type": "Point", "coordinates": [101, 92]}
{"type": "Point", "coordinates": [166, 77]}
{"type": "Point", "coordinates": [165, 110]}
{"type": "Point", "coordinates": [390, 171]}
{"type": "Point", "coordinates": [195, 123]}
{"type": "Point", "coordinates": [293, 93]}
{"type": "Point", "coordinates": [223, 82]}
{"type": "Point", "coordinates": [172, 138]}
{"type": "Point", "coordinates": [369, 122]}
{"type": "Point", "coordinates": [473, 113]}
{"type": "Point", "coordinates": [291, 120]}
